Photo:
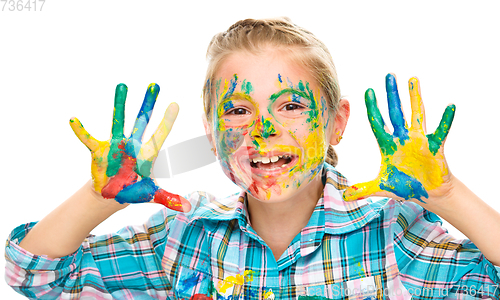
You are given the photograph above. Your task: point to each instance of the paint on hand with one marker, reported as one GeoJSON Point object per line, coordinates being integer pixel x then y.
{"type": "Point", "coordinates": [412, 163]}
{"type": "Point", "coordinates": [117, 164]}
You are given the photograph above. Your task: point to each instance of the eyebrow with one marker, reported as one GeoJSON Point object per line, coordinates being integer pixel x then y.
{"type": "Point", "coordinates": [290, 91]}
{"type": "Point", "coordinates": [237, 96]}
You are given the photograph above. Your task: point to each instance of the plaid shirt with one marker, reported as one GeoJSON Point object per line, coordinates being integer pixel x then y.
{"type": "Point", "coordinates": [348, 250]}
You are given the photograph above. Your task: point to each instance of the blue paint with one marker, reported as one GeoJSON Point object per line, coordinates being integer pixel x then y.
{"type": "Point", "coordinates": [139, 192]}
{"type": "Point", "coordinates": [279, 78]}
{"type": "Point", "coordinates": [228, 105]}
{"type": "Point", "coordinates": [187, 282]}
{"type": "Point", "coordinates": [296, 98]}
{"type": "Point", "coordinates": [403, 185]}
{"type": "Point", "coordinates": [145, 113]}
{"type": "Point", "coordinates": [232, 86]}
{"type": "Point", "coordinates": [395, 111]}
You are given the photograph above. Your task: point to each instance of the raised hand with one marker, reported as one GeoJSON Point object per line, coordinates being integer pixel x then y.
{"type": "Point", "coordinates": [413, 163]}
{"type": "Point", "coordinates": [121, 167]}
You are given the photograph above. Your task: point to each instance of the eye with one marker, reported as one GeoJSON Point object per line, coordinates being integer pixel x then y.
{"type": "Point", "coordinates": [291, 106]}
{"type": "Point", "coordinates": [237, 111]}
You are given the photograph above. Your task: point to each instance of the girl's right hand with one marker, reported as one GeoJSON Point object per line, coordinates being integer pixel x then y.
{"type": "Point", "coordinates": [122, 167]}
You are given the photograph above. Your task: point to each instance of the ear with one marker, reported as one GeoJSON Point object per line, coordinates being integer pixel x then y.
{"type": "Point", "coordinates": [340, 121]}
{"type": "Point", "coordinates": [208, 133]}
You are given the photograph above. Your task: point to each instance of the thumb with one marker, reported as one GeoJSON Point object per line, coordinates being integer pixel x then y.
{"type": "Point", "coordinates": [361, 190]}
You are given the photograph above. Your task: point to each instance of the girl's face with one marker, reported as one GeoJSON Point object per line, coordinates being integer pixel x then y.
{"type": "Point", "coordinates": [270, 124]}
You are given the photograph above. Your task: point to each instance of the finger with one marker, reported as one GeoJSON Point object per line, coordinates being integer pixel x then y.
{"type": "Point", "coordinates": [384, 139]}
{"type": "Point", "coordinates": [153, 146]}
{"type": "Point", "coordinates": [119, 111]}
{"type": "Point", "coordinates": [417, 106]}
{"type": "Point", "coordinates": [437, 138]}
{"type": "Point", "coordinates": [361, 190]}
{"type": "Point", "coordinates": [83, 135]}
{"type": "Point", "coordinates": [145, 113]}
{"type": "Point", "coordinates": [395, 112]}
{"type": "Point", "coordinates": [172, 201]}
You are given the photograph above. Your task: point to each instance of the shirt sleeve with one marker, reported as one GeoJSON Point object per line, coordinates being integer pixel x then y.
{"type": "Point", "coordinates": [125, 264]}
{"type": "Point", "coordinates": [121, 265]}
{"type": "Point", "coordinates": [431, 259]}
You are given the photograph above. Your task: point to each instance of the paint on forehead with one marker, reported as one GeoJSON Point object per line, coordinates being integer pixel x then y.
{"type": "Point", "coordinates": [246, 87]}
{"type": "Point", "coordinates": [279, 78]}
{"type": "Point", "coordinates": [229, 87]}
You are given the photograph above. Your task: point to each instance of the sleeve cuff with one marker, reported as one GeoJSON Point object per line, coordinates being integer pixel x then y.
{"type": "Point", "coordinates": [29, 261]}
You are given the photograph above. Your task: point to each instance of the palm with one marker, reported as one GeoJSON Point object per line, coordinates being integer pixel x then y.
{"type": "Point", "coordinates": [413, 164]}
{"type": "Point", "coordinates": [121, 167]}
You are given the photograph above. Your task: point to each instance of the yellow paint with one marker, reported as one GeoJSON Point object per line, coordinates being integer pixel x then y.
{"type": "Point", "coordinates": [413, 158]}
{"type": "Point", "coordinates": [99, 151]}
{"type": "Point", "coordinates": [268, 295]}
{"type": "Point", "coordinates": [416, 104]}
{"type": "Point", "coordinates": [230, 281]}
{"type": "Point", "coordinates": [151, 86]}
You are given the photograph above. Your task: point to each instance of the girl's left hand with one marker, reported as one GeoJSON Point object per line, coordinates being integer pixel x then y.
{"type": "Point", "coordinates": [413, 163]}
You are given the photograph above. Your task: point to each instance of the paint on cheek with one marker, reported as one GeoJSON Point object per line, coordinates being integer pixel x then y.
{"type": "Point", "coordinates": [230, 140]}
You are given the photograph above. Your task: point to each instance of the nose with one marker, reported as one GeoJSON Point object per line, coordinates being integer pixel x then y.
{"type": "Point", "coordinates": [264, 128]}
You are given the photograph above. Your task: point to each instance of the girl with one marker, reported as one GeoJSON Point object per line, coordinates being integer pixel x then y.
{"type": "Point", "coordinates": [273, 112]}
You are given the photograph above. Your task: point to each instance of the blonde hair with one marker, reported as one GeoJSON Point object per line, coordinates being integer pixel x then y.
{"type": "Point", "coordinates": [254, 36]}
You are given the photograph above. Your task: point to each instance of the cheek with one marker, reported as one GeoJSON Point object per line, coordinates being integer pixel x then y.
{"type": "Point", "coordinates": [310, 135]}
{"type": "Point", "coordinates": [229, 140]}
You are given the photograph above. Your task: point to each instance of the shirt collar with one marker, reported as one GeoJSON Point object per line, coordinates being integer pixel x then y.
{"type": "Point", "coordinates": [339, 216]}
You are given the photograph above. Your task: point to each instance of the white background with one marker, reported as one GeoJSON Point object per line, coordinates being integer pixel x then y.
{"type": "Point", "coordinates": [67, 59]}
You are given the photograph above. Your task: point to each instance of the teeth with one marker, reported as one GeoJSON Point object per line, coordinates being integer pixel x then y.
{"type": "Point", "coordinates": [273, 159]}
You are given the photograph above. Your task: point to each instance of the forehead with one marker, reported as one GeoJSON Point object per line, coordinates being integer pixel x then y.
{"type": "Point", "coordinates": [264, 69]}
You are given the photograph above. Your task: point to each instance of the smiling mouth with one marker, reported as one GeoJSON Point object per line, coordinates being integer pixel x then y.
{"type": "Point", "coordinates": [271, 163]}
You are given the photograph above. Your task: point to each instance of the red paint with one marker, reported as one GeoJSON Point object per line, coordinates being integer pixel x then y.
{"type": "Point", "coordinates": [254, 188]}
{"type": "Point", "coordinates": [125, 177]}
{"type": "Point", "coordinates": [200, 297]}
{"type": "Point", "coordinates": [172, 201]}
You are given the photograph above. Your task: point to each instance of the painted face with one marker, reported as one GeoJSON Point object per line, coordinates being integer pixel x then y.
{"type": "Point", "coordinates": [270, 124]}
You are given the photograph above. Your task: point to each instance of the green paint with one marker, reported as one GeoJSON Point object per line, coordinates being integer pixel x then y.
{"type": "Point", "coordinates": [115, 154]}
{"type": "Point", "coordinates": [144, 168]}
{"type": "Point", "coordinates": [384, 139]}
{"type": "Point", "coordinates": [256, 143]}
{"type": "Point", "coordinates": [437, 138]}
{"type": "Point", "coordinates": [119, 111]}
{"type": "Point", "coordinates": [114, 157]}
{"type": "Point", "coordinates": [291, 91]}
{"type": "Point", "coordinates": [246, 87]}
{"type": "Point", "coordinates": [267, 128]}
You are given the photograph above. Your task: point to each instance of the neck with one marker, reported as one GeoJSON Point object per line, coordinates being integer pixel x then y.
{"type": "Point", "coordinates": [277, 223]}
